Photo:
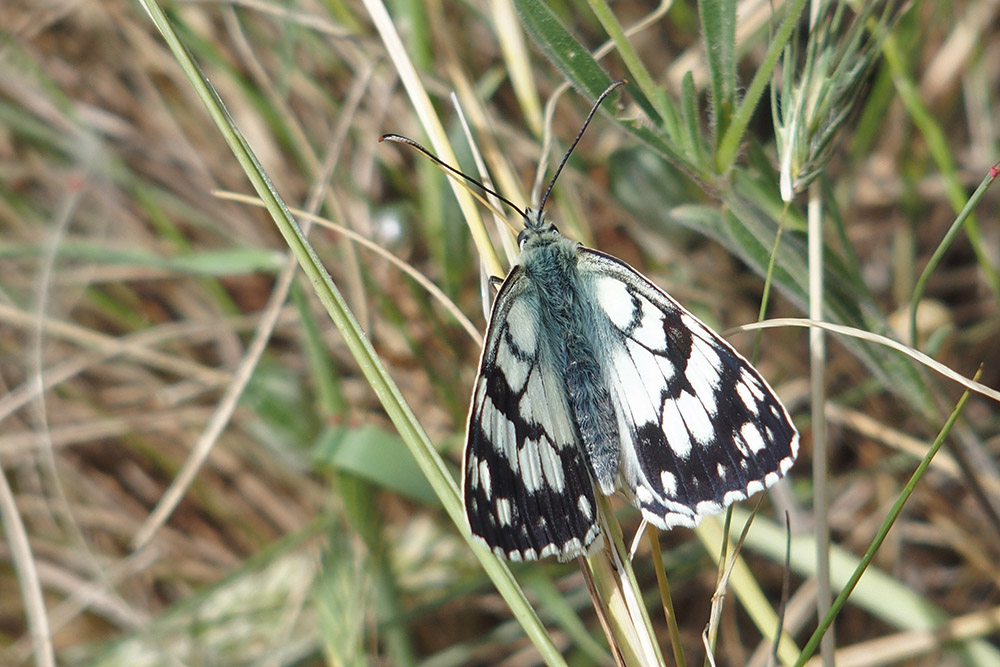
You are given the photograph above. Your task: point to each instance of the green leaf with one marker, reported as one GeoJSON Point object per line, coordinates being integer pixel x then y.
{"type": "Point", "coordinates": [718, 24]}
{"type": "Point", "coordinates": [376, 455]}
{"type": "Point", "coordinates": [648, 93]}
{"type": "Point", "coordinates": [691, 117]}
{"type": "Point", "coordinates": [228, 262]}
{"type": "Point", "coordinates": [569, 56]}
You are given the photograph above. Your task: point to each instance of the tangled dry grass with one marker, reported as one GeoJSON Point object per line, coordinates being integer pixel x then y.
{"type": "Point", "coordinates": [139, 330]}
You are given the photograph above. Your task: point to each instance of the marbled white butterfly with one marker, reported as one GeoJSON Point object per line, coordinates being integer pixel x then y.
{"type": "Point", "coordinates": [592, 376]}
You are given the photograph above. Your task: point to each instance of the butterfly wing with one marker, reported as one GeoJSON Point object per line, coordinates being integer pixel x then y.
{"type": "Point", "coordinates": [527, 490]}
{"type": "Point", "coordinates": [699, 427]}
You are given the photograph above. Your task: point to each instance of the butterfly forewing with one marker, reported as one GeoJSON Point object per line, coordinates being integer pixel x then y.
{"type": "Point", "coordinates": [699, 427]}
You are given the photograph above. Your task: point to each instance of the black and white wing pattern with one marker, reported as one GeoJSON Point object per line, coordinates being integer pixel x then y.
{"type": "Point", "coordinates": [593, 378]}
{"type": "Point", "coordinates": [699, 428]}
{"type": "Point", "coordinates": [527, 490]}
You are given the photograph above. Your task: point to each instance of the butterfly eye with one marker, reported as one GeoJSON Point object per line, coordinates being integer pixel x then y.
{"type": "Point", "coordinates": [522, 236]}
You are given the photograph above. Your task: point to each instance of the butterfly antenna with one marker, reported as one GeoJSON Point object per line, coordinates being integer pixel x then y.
{"type": "Point", "coordinates": [593, 110]}
{"type": "Point", "coordinates": [400, 139]}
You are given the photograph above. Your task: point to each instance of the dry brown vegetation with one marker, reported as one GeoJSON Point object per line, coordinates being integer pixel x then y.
{"type": "Point", "coordinates": [143, 349]}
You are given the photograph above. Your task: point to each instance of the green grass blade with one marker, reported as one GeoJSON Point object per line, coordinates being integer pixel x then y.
{"type": "Point", "coordinates": [885, 598]}
{"type": "Point", "coordinates": [569, 56]}
{"type": "Point", "coordinates": [718, 24]}
{"type": "Point", "coordinates": [942, 248]}
{"type": "Point", "coordinates": [664, 113]}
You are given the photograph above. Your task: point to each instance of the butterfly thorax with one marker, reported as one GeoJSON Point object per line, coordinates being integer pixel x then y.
{"type": "Point", "coordinates": [568, 323]}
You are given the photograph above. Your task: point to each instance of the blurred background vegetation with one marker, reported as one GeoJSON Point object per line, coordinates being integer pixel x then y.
{"type": "Point", "coordinates": [150, 342]}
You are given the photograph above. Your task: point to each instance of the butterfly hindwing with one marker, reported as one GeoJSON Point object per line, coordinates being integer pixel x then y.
{"type": "Point", "coordinates": [699, 428]}
{"type": "Point", "coordinates": [526, 486]}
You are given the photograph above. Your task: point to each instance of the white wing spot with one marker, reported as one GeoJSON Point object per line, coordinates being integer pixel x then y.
{"type": "Point", "coordinates": [707, 507]}
{"type": "Point", "coordinates": [552, 467]}
{"type": "Point", "coordinates": [511, 431]}
{"type": "Point", "coordinates": [484, 478]}
{"type": "Point", "coordinates": [473, 467]}
{"type": "Point", "coordinates": [526, 406]}
{"type": "Point", "coordinates": [543, 404]}
{"type": "Point", "coordinates": [709, 356]}
{"type": "Point", "coordinates": [652, 374]}
{"type": "Point", "coordinates": [650, 332]}
{"type": "Point", "coordinates": [667, 368]}
{"type": "Point", "coordinates": [669, 483]}
{"type": "Point", "coordinates": [746, 395]}
{"type": "Point", "coordinates": [732, 497]}
{"type": "Point", "coordinates": [615, 300]}
{"type": "Point", "coordinates": [531, 466]}
{"type": "Point", "coordinates": [696, 418]}
{"type": "Point", "coordinates": [572, 547]}
{"type": "Point", "coordinates": [486, 413]}
{"type": "Point", "coordinates": [720, 470]}
{"type": "Point", "coordinates": [676, 433]}
{"type": "Point", "coordinates": [585, 507]}
{"type": "Point", "coordinates": [503, 438]}
{"type": "Point", "coordinates": [637, 391]}
{"type": "Point", "coordinates": [692, 322]}
{"type": "Point", "coordinates": [751, 436]}
{"type": "Point", "coordinates": [755, 486]}
{"type": "Point", "coordinates": [703, 373]}
{"type": "Point", "coordinates": [644, 495]}
{"type": "Point", "coordinates": [503, 511]}
{"type": "Point", "coordinates": [747, 378]}
{"type": "Point", "coordinates": [521, 326]}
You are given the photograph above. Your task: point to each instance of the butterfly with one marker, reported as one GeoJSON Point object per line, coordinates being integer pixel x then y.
{"type": "Point", "coordinates": [593, 378]}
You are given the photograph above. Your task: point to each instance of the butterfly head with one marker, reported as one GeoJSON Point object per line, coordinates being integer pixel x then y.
{"type": "Point", "coordinates": [537, 230]}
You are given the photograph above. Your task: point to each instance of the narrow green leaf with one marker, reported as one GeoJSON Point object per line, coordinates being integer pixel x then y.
{"type": "Point", "coordinates": [691, 114]}
{"type": "Point", "coordinates": [376, 455]}
{"type": "Point", "coordinates": [718, 25]}
{"type": "Point", "coordinates": [231, 261]}
{"type": "Point", "coordinates": [662, 112]}
{"type": "Point", "coordinates": [942, 248]}
{"type": "Point", "coordinates": [569, 56]}
{"type": "Point", "coordinates": [878, 593]}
